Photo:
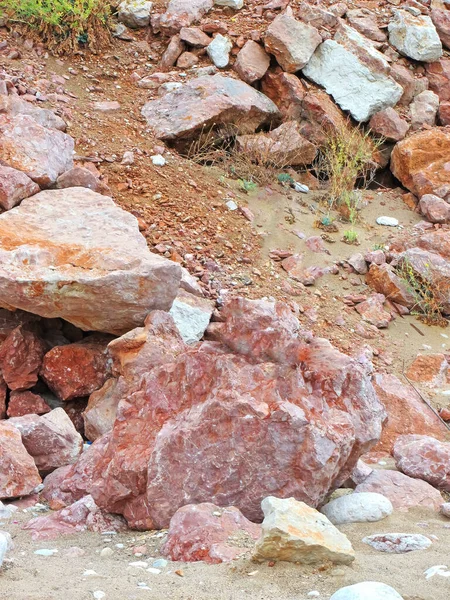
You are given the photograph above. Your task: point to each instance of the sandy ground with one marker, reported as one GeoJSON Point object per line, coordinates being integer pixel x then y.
{"type": "Point", "coordinates": [31, 577]}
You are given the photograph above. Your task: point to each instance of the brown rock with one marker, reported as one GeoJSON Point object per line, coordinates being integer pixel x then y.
{"type": "Point", "coordinates": [425, 458]}
{"type": "Point", "coordinates": [383, 279]}
{"type": "Point", "coordinates": [3, 395]}
{"type": "Point", "coordinates": [77, 370]}
{"type": "Point", "coordinates": [441, 20]}
{"type": "Point", "coordinates": [252, 62]}
{"type": "Point", "coordinates": [209, 533]}
{"type": "Point", "coordinates": [407, 413]}
{"type": "Point", "coordinates": [365, 21]}
{"type": "Point", "coordinates": [435, 209]}
{"type": "Point", "coordinates": [286, 91]}
{"type": "Point", "coordinates": [21, 355]}
{"type": "Point", "coordinates": [404, 492]}
{"type": "Point", "coordinates": [43, 154]}
{"type": "Point", "coordinates": [26, 403]}
{"type": "Point", "coordinates": [431, 370]}
{"type": "Point", "coordinates": [438, 74]}
{"type": "Point", "coordinates": [187, 60]}
{"type": "Point", "coordinates": [321, 116]}
{"type": "Point", "coordinates": [444, 113]}
{"type": "Point", "coordinates": [51, 439]}
{"type": "Point", "coordinates": [173, 51]}
{"type": "Point", "coordinates": [14, 187]}
{"type": "Point", "coordinates": [373, 312]}
{"type": "Point", "coordinates": [81, 177]}
{"type": "Point", "coordinates": [388, 124]}
{"type": "Point", "coordinates": [195, 37]}
{"type": "Point", "coordinates": [18, 473]}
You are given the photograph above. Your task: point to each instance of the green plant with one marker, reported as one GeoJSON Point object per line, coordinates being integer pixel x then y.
{"type": "Point", "coordinates": [247, 186]}
{"type": "Point", "coordinates": [284, 178]}
{"type": "Point", "coordinates": [350, 236]}
{"type": "Point", "coordinates": [61, 24]}
{"type": "Point", "coordinates": [379, 247]}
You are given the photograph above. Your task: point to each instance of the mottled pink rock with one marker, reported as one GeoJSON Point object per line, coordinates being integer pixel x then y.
{"type": "Point", "coordinates": [424, 109]}
{"type": "Point", "coordinates": [75, 254]}
{"type": "Point", "coordinates": [411, 86]}
{"type": "Point", "coordinates": [14, 187]}
{"type": "Point", "coordinates": [101, 410]}
{"type": "Point", "coordinates": [438, 74]}
{"type": "Point", "coordinates": [383, 279]}
{"type": "Point", "coordinates": [81, 177]}
{"type": "Point", "coordinates": [78, 369]}
{"type": "Point", "coordinates": [194, 36]}
{"type": "Point", "coordinates": [373, 312]}
{"type": "Point", "coordinates": [106, 106]}
{"type": "Point", "coordinates": [295, 268]}
{"type": "Point", "coordinates": [286, 91]}
{"type": "Point", "coordinates": [365, 21]}
{"type": "Point", "coordinates": [358, 262]}
{"type": "Point", "coordinates": [21, 355]}
{"type": "Point", "coordinates": [404, 492]}
{"type": "Point", "coordinates": [180, 14]}
{"type": "Point", "coordinates": [81, 516]}
{"type": "Point", "coordinates": [252, 62]}
{"type": "Point", "coordinates": [425, 458]}
{"type": "Point", "coordinates": [51, 439]}
{"type": "Point", "coordinates": [388, 124]}
{"type": "Point", "coordinates": [431, 370]}
{"type": "Point", "coordinates": [398, 543]}
{"type": "Point", "coordinates": [18, 473]}
{"type": "Point", "coordinates": [441, 20]}
{"type": "Point", "coordinates": [43, 116]}
{"type": "Point", "coordinates": [26, 403]}
{"type": "Point", "coordinates": [209, 533]}
{"type": "Point", "coordinates": [435, 209]}
{"type": "Point", "coordinates": [187, 60]}
{"type": "Point", "coordinates": [43, 154]}
{"type": "Point", "coordinates": [407, 413]}
{"type": "Point", "coordinates": [174, 50]}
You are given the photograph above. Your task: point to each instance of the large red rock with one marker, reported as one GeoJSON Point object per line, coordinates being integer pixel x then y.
{"type": "Point", "coordinates": [77, 370]}
{"type": "Point", "coordinates": [384, 280]}
{"type": "Point", "coordinates": [422, 162]}
{"type": "Point", "coordinates": [14, 105]}
{"type": "Point", "coordinates": [261, 410]}
{"type": "Point", "coordinates": [424, 457]}
{"type": "Point", "coordinates": [435, 209]}
{"type": "Point", "coordinates": [43, 154]}
{"type": "Point", "coordinates": [51, 439]}
{"type": "Point", "coordinates": [431, 370]}
{"type": "Point", "coordinates": [388, 124]}
{"type": "Point", "coordinates": [14, 187]}
{"type": "Point", "coordinates": [81, 516]}
{"type": "Point", "coordinates": [21, 355]}
{"type": "Point", "coordinates": [438, 75]}
{"type": "Point", "coordinates": [209, 533]}
{"type": "Point", "coordinates": [286, 91]}
{"type": "Point", "coordinates": [18, 473]}
{"type": "Point", "coordinates": [26, 403]}
{"type": "Point", "coordinates": [407, 413]}
{"type": "Point", "coordinates": [372, 311]}
{"type": "Point", "coordinates": [441, 20]}
{"type": "Point", "coordinates": [404, 492]}
{"type": "Point", "coordinates": [82, 177]}
{"type": "Point", "coordinates": [75, 254]}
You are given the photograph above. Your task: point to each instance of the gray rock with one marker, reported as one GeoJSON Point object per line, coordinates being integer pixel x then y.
{"type": "Point", "coordinates": [135, 13]}
{"type": "Point", "coordinates": [365, 507]}
{"type": "Point", "coordinates": [219, 51]}
{"type": "Point", "coordinates": [236, 4]}
{"type": "Point", "coordinates": [5, 545]}
{"type": "Point", "coordinates": [397, 543]}
{"type": "Point", "coordinates": [367, 590]}
{"type": "Point", "coordinates": [191, 315]}
{"type": "Point", "coordinates": [387, 221]}
{"type": "Point", "coordinates": [415, 36]}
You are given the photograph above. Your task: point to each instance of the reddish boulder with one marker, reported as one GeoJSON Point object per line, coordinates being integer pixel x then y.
{"type": "Point", "coordinates": [26, 403]}
{"type": "Point", "coordinates": [411, 85]}
{"type": "Point", "coordinates": [286, 91]}
{"type": "Point", "coordinates": [404, 492]}
{"type": "Point", "coordinates": [43, 154]}
{"type": "Point", "coordinates": [50, 439]}
{"type": "Point", "coordinates": [365, 21]}
{"type": "Point", "coordinates": [78, 369]}
{"type": "Point", "coordinates": [83, 515]}
{"type": "Point", "coordinates": [14, 187]}
{"type": "Point", "coordinates": [16, 105]}
{"type": "Point", "coordinates": [444, 113]}
{"type": "Point", "coordinates": [372, 311]}
{"type": "Point", "coordinates": [252, 62]}
{"type": "Point", "coordinates": [407, 413]}
{"type": "Point", "coordinates": [180, 13]}
{"type": "Point", "coordinates": [321, 116]}
{"type": "Point", "coordinates": [195, 37]}
{"type": "Point", "coordinates": [21, 355]}
{"type": "Point", "coordinates": [171, 54]}
{"type": "Point", "coordinates": [209, 533]}
{"type": "Point", "coordinates": [424, 457]}
{"type": "Point", "coordinates": [101, 410]}
{"type": "Point", "coordinates": [438, 74]}
{"type": "Point", "coordinates": [435, 209]}
{"type": "Point", "coordinates": [388, 124]}
{"type": "Point", "coordinates": [81, 177]}
{"type": "Point", "coordinates": [441, 20]}
{"type": "Point", "coordinates": [429, 369]}
{"type": "Point", "coordinates": [18, 473]}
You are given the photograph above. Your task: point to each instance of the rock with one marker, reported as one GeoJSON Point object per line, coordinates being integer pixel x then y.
{"type": "Point", "coordinates": [209, 533]}
{"type": "Point", "coordinates": [106, 106]}
{"type": "Point", "coordinates": [26, 403]}
{"type": "Point", "coordinates": [81, 177]}
{"type": "Point", "coordinates": [83, 515]}
{"type": "Point", "coordinates": [407, 413]}
{"type": "Point", "coordinates": [441, 20]}
{"type": "Point", "coordinates": [368, 87]}
{"type": "Point", "coordinates": [434, 209]}
{"type": "Point", "coordinates": [291, 42]}
{"type": "Point", "coordinates": [135, 13]}
{"type": "Point", "coordinates": [101, 410]}
{"type": "Point", "coordinates": [385, 281]}
{"type": "Point", "coordinates": [180, 14]}
{"type": "Point", "coordinates": [191, 315]}
{"type": "Point", "coordinates": [219, 51]}
{"type": "Point", "coordinates": [438, 75]}
{"type": "Point", "coordinates": [50, 439]}
{"type": "Point", "coordinates": [425, 458]}
{"type": "Point", "coordinates": [397, 543]}
{"type": "Point", "coordinates": [252, 62]}
{"type": "Point", "coordinates": [187, 60]}
{"type": "Point", "coordinates": [403, 492]}
{"type": "Point", "coordinates": [286, 91]}
{"type": "Point", "coordinates": [321, 117]}
{"type": "Point", "coordinates": [365, 22]}
{"type": "Point", "coordinates": [236, 4]}
{"type": "Point", "coordinates": [424, 109]}
{"type": "Point", "coordinates": [283, 146]}
{"type": "Point", "coordinates": [411, 86]}
{"type": "Point", "coordinates": [444, 113]}
{"type": "Point", "coordinates": [238, 385]}
{"type": "Point", "coordinates": [18, 473]}
{"type": "Point", "coordinates": [195, 37]}
{"type": "Point", "coordinates": [173, 51]}
{"type": "Point", "coordinates": [388, 124]}
{"type": "Point", "coordinates": [42, 154]}
{"type": "Point", "coordinates": [365, 507]}
{"type": "Point", "coordinates": [78, 369]}
{"type": "Point", "coordinates": [387, 221]}
{"type": "Point", "coordinates": [415, 36]}
{"type": "Point", "coordinates": [5, 545]}
{"type": "Point", "coordinates": [431, 370]}
{"type": "Point", "coordinates": [367, 590]}
{"type": "Point", "coordinates": [372, 311]}
{"type": "Point", "coordinates": [96, 272]}
{"type": "Point", "coordinates": [14, 187]}
{"type": "Point", "coordinates": [42, 116]}
{"type": "Point", "coordinates": [358, 263]}
{"type": "Point", "coordinates": [295, 532]}
{"type": "Point", "coordinates": [317, 16]}
{"type": "Point", "coordinates": [21, 355]}
{"type": "Point", "coordinates": [445, 509]}
{"type": "Point", "coordinates": [421, 162]}
{"type": "Point", "coordinates": [206, 101]}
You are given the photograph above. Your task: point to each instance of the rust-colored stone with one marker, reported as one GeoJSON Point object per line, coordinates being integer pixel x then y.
{"type": "Point", "coordinates": [26, 403]}
{"type": "Point", "coordinates": [18, 473]}
{"type": "Point", "coordinates": [21, 355]}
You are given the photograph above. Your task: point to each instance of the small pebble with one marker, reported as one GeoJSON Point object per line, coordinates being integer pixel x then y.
{"type": "Point", "coordinates": [46, 552]}
{"type": "Point", "coordinates": [160, 563]}
{"type": "Point", "coordinates": [158, 160]}
{"type": "Point", "coordinates": [387, 221]}
{"type": "Point", "coordinates": [98, 595]}
{"type": "Point", "coordinates": [106, 552]}
{"type": "Point", "coordinates": [231, 204]}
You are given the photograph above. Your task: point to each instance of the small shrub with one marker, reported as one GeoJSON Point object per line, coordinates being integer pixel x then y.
{"type": "Point", "coordinates": [247, 186]}
{"type": "Point", "coordinates": [285, 178]}
{"type": "Point", "coordinates": [350, 236]}
{"type": "Point", "coordinates": [62, 25]}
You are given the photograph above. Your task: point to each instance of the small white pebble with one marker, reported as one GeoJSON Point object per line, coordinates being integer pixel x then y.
{"type": "Point", "coordinates": [98, 595]}
{"type": "Point", "coordinates": [158, 160]}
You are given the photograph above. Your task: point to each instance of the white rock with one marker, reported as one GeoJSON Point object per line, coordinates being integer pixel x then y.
{"type": "Point", "coordinates": [158, 160]}
{"type": "Point", "coordinates": [99, 594]}
{"type": "Point", "coordinates": [301, 187]}
{"type": "Point", "coordinates": [354, 86]}
{"type": "Point", "coordinates": [295, 532]}
{"type": "Point", "coordinates": [169, 86]}
{"type": "Point", "coordinates": [46, 551]}
{"type": "Point", "coordinates": [397, 543]}
{"type": "Point", "coordinates": [354, 509]}
{"type": "Point", "coordinates": [191, 315]}
{"type": "Point", "coordinates": [437, 570]}
{"type": "Point", "coordinates": [7, 510]}
{"type": "Point", "coordinates": [236, 4]}
{"type": "Point", "coordinates": [231, 205]}
{"type": "Point", "coordinates": [135, 13]}
{"type": "Point", "coordinates": [219, 51]}
{"type": "Point", "coordinates": [415, 36]}
{"type": "Point", "coordinates": [388, 221]}
{"type": "Point", "coordinates": [128, 158]}
{"type": "Point", "coordinates": [367, 590]}
{"type": "Point", "coordinates": [5, 545]}
{"type": "Point", "coordinates": [445, 509]}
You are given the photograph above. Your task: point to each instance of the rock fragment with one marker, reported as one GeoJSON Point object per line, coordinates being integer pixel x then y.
{"type": "Point", "coordinates": [364, 507]}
